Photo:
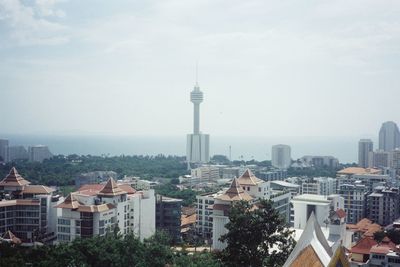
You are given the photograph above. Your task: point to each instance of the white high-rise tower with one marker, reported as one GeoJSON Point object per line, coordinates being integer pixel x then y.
{"type": "Point", "coordinates": [198, 144]}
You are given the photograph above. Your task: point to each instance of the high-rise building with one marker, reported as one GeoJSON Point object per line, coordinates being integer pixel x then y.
{"type": "Point", "coordinates": [389, 136]}
{"type": "Point", "coordinates": [17, 152]}
{"type": "Point", "coordinates": [168, 216]}
{"type": "Point", "coordinates": [281, 156]}
{"type": "Point", "coordinates": [323, 186]}
{"type": "Point", "coordinates": [355, 200]}
{"type": "Point", "coordinates": [39, 153]}
{"type": "Point", "coordinates": [384, 205]}
{"type": "Point", "coordinates": [364, 147]}
{"type": "Point", "coordinates": [198, 144]}
{"type": "Point", "coordinates": [380, 159]}
{"type": "Point", "coordinates": [4, 150]}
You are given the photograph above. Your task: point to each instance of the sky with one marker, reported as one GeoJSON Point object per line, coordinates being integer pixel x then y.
{"type": "Point", "coordinates": [267, 68]}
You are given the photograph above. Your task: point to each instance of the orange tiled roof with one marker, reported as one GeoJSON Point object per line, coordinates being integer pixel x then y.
{"type": "Point", "coordinates": [365, 226]}
{"type": "Point", "coordinates": [188, 219]}
{"type": "Point", "coordinates": [307, 257]}
{"type": "Point", "coordinates": [248, 178]}
{"type": "Point", "coordinates": [235, 193]}
{"type": "Point", "coordinates": [95, 208]}
{"type": "Point", "coordinates": [98, 187]}
{"type": "Point", "coordinates": [14, 179]}
{"type": "Point", "coordinates": [37, 189]}
{"type": "Point", "coordinates": [69, 203]}
{"type": "Point", "coordinates": [358, 170]}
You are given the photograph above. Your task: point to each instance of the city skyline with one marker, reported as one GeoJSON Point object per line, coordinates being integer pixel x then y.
{"type": "Point", "coordinates": [74, 71]}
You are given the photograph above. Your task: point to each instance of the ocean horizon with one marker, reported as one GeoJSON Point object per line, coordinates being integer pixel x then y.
{"type": "Point", "coordinates": [258, 148]}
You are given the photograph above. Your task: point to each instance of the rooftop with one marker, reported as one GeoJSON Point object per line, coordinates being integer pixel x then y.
{"type": "Point", "coordinates": [358, 170]}
{"type": "Point", "coordinates": [311, 198]}
{"type": "Point", "coordinates": [234, 193]}
{"type": "Point", "coordinates": [14, 179]}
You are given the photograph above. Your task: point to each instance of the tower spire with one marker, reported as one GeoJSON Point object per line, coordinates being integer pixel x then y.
{"type": "Point", "coordinates": [197, 73]}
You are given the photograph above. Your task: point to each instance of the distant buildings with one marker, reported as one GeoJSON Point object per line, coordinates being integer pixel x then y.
{"type": "Point", "coordinates": [319, 186]}
{"type": "Point", "coordinates": [380, 159]}
{"type": "Point", "coordinates": [365, 146]}
{"type": "Point", "coordinates": [168, 216]}
{"type": "Point", "coordinates": [206, 173]}
{"type": "Point", "coordinates": [198, 144]}
{"type": "Point", "coordinates": [320, 161]}
{"type": "Point", "coordinates": [389, 136]}
{"type": "Point", "coordinates": [3, 150]}
{"type": "Point", "coordinates": [281, 156]}
{"type": "Point", "coordinates": [39, 153]}
{"type": "Point", "coordinates": [355, 201]}
{"type": "Point", "coordinates": [95, 177]}
{"type": "Point", "coordinates": [17, 153]}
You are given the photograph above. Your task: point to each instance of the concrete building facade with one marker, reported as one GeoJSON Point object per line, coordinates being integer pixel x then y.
{"type": "Point", "coordinates": [281, 156]}
{"type": "Point", "coordinates": [365, 146]}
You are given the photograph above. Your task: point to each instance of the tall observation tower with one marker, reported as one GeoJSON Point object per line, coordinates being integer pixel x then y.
{"type": "Point", "coordinates": [198, 144]}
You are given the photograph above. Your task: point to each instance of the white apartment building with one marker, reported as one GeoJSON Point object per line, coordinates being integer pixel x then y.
{"type": "Point", "coordinates": [250, 188]}
{"type": "Point", "coordinates": [321, 206]}
{"type": "Point", "coordinates": [319, 186]}
{"type": "Point", "coordinates": [281, 156]}
{"type": "Point", "coordinates": [39, 153]}
{"type": "Point", "coordinates": [206, 173]}
{"type": "Point", "coordinates": [98, 209]}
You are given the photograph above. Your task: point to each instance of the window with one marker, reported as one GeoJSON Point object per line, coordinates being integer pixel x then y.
{"type": "Point", "coordinates": [259, 189]}
{"type": "Point", "coordinates": [64, 222]}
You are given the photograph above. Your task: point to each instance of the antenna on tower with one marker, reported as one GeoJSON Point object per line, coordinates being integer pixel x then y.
{"type": "Point", "coordinates": [197, 73]}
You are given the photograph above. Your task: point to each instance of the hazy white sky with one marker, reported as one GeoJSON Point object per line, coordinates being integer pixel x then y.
{"type": "Point", "coordinates": [267, 68]}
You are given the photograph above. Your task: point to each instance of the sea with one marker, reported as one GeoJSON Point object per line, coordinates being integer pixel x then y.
{"type": "Point", "coordinates": [246, 148]}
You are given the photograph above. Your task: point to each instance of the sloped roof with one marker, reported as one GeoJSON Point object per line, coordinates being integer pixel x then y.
{"type": "Point", "coordinates": [111, 188]}
{"type": "Point", "coordinates": [95, 208]}
{"type": "Point", "coordinates": [365, 226]}
{"type": "Point", "coordinates": [248, 178]}
{"type": "Point", "coordinates": [341, 213]}
{"type": "Point", "coordinates": [312, 236]}
{"type": "Point", "coordinates": [37, 189]}
{"type": "Point", "coordinates": [69, 203]}
{"type": "Point", "coordinates": [358, 170]}
{"type": "Point", "coordinates": [14, 179]}
{"type": "Point", "coordinates": [363, 245]}
{"type": "Point", "coordinates": [10, 237]}
{"type": "Point", "coordinates": [98, 187]}
{"type": "Point", "coordinates": [307, 257]}
{"type": "Point", "coordinates": [235, 193]}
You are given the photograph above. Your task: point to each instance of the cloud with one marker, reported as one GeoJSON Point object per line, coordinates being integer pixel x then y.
{"type": "Point", "coordinates": [29, 25]}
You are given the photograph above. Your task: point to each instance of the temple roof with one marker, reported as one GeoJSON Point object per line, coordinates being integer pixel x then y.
{"type": "Point", "coordinates": [69, 203]}
{"type": "Point", "coordinates": [248, 178]}
{"type": "Point", "coordinates": [98, 187]}
{"type": "Point", "coordinates": [10, 237]}
{"type": "Point", "coordinates": [313, 243]}
{"type": "Point", "coordinates": [14, 179]}
{"type": "Point", "coordinates": [111, 188]}
{"type": "Point", "coordinates": [235, 193]}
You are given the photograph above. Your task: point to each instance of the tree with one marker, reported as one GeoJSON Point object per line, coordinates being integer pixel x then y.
{"type": "Point", "coordinates": [379, 236]}
{"type": "Point", "coordinates": [256, 237]}
{"type": "Point", "coordinates": [394, 235]}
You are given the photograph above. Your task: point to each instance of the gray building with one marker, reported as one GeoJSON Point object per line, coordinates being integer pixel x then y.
{"type": "Point", "coordinates": [39, 153]}
{"type": "Point", "coordinates": [17, 153]}
{"type": "Point", "coordinates": [281, 158]}
{"type": "Point", "coordinates": [4, 150]}
{"type": "Point", "coordinates": [384, 205]}
{"type": "Point", "coordinates": [355, 201]}
{"type": "Point", "coordinates": [323, 186]}
{"type": "Point", "coordinates": [365, 146]}
{"type": "Point", "coordinates": [389, 136]}
{"type": "Point", "coordinates": [168, 216]}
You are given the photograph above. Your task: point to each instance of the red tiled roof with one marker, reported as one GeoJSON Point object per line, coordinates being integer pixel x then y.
{"type": "Point", "coordinates": [363, 246]}
{"type": "Point", "coordinates": [341, 213]}
{"type": "Point", "coordinates": [365, 226]}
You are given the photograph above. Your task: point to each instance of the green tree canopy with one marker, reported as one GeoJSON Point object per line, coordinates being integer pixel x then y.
{"type": "Point", "coordinates": [256, 237]}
